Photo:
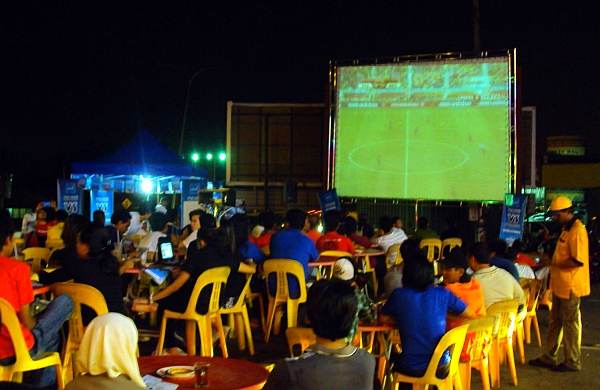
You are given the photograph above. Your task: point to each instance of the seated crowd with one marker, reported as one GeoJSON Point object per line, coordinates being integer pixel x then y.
{"type": "Point", "coordinates": [420, 307]}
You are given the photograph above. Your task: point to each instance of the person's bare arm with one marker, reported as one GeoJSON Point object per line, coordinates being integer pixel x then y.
{"type": "Point", "coordinates": [127, 264]}
{"type": "Point", "coordinates": [173, 287]}
{"type": "Point", "coordinates": [25, 316]}
{"type": "Point", "coordinates": [246, 268]}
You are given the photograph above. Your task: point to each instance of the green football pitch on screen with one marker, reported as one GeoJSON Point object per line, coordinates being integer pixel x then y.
{"type": "Point", "coordinates": [435, 131]}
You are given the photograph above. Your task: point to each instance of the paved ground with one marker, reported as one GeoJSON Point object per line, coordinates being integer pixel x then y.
{"type": "Point", "coordinates": [529, 377]}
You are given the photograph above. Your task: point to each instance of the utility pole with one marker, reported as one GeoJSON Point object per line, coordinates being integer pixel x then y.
{"type": "Point", "coordinates": [476, 29]}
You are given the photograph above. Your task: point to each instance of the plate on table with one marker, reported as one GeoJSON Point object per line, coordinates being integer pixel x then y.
{"type": "Point", "coordinates": [176, 372]}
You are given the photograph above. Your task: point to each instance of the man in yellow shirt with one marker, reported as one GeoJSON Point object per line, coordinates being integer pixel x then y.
{"type": "Point", "coordinates": [569, 281]}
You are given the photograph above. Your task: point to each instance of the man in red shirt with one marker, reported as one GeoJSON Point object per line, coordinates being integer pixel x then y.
{"type": "Point", "coordinates": [332, 240]}
{"type": "Point", "coordinates": [42, 334]}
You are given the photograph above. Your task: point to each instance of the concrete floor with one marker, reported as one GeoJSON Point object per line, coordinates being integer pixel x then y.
{"type": "Point", "coordinates": [528, 377]}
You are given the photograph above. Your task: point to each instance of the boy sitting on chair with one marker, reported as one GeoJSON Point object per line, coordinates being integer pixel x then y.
{"type": "Point", "coordinates": [333, 362]}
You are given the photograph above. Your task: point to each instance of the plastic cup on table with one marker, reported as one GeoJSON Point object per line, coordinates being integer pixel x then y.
{"type": "Point", "coordinates": [201, 374]}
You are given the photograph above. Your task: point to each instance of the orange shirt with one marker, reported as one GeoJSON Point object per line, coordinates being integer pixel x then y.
{"type": "Point", "coordinates": [333, 241]}
{"type": "Point", "coordinates": [564, 280]}
{"type": "Point", "coordinates": [471, 294]}
{"type": "Point", "coordinates": [15, 287]}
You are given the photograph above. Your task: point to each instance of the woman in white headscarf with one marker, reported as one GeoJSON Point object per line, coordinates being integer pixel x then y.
{"type": "Point", "coordinates": [107, 355]}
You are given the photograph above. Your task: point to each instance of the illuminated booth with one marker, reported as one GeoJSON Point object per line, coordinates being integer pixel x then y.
{"type": "Point", "coordinates": [139, 172]}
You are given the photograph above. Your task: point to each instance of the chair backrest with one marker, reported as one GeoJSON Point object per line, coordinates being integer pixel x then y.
{"type": "Point", "coordinates": [480, 335]}
{"type": "Point", "coordinates": [304, 337]}
{"type": "Point", "coordinates": [282, 267]}
{"type": "Point", "coordinates": [506, 313]}
{"type": "Point", "coordinates": [8, 318]}
{"type": "Point", "coordinates": [532, 288]}
{"type": "Point", "coordinates": [393, 256]}
{"type": "Point", "coordinates": [454, 338]}
{"type": "Point", "coordinates": [450, 243]}
{"type": "Point", "coordinates": [433, 246]}
{"type": "Point", "coordinates": [241, 301]}
{"type": "Point", "coordinates": [37, 255]}
{"type": "Point", "coordinates": [80, 294]}
{"type": "Point", "coordinates": [55, 244]}
{"type": "Point", "coordinates": [334, 254]}
{"type": "Point", "coordinates": [217, 277]}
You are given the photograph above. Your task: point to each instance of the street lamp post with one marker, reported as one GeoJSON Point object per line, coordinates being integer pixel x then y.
{"type": "Point", "coordinates": [187, 102]}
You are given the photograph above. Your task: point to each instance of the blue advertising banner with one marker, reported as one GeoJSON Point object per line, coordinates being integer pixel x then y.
{"type": "Point", "coordinates": [70, 196]}
{"type": "Point", "coordinates": [513, 218]}
{"type": "Point", "coordinates": [190, 188]}
{"type": "Point", "coordinates": [329, 200]}
{"type": "Point", "coordinates": [102, 200]}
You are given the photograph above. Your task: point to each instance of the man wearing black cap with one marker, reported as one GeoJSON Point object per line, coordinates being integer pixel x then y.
{"type": "Point", "coordinates": [460, 283]}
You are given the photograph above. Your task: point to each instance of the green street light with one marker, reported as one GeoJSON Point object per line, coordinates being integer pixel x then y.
{"type": "Point", "coordinates": [222, 156]}
{"type": "Point", "coordinates": [209, 156]}
{"type": "Point", "coordinates": [195, 157]}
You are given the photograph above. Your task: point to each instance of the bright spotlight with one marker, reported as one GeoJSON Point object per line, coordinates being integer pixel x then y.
{"type": "Point", "coordinates": [146, 185]}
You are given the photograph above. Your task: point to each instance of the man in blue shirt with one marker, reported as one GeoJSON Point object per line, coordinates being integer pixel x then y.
{"type": "Point", "coordinates": [292, 243]}
{"type": "Point", "coordinates": [419, 312]}
{"type": "Point", "coordinates": [499, 259]}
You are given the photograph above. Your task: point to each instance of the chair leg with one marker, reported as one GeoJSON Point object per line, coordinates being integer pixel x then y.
{"type": "Point", "coordinates": [292, 314]}
{"type": "Point", "coordinates": [190, 337]}
{"type": "Point", "coordinates": [484, 370]}
{"type": "Point", "coordinates": [270, 318]}
{"type": "Point", "coordinates": [527, 329]}
{"type": "Point", "coordinates": [261, 307]}
{"type": "Point", "coordinates": [277, 322]}
{"type": "Point", "coordinates": [536, 327]}
{"type": "Point", "coordinates": [454, 382]}
{"type": "Point", "coordinates": [60, 383]}
{"type": "Point", "coordinates": [495, 363]}
{"type": "Point", "coordinates": [205, 336]}
{"type": "Point", "coordinates": [221, 333]}
{"type": "Point", "coordinates": [520, 345]}
{"type": "Point", "coordinates": [511, 361]}
{"type": "Point", "coordinates": [246, 321]}
{"type": "Point", "coordinates": [465, 374]}
{"type": "Point", "coordinates": [239, 331]}
{"type": "Point", "coordinates": [161, 337]}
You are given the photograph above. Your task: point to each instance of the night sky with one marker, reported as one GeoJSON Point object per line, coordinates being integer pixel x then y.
{"type": "Point", "coordinates": [80, 80]}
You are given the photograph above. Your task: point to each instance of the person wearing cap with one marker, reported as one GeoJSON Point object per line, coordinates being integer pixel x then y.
{"type": "Point", "coordinates": [460, 283]}
{"type": "Point", "coordinates": [569, 281]}
{"type": "Point", "coordinates": [343, 269]}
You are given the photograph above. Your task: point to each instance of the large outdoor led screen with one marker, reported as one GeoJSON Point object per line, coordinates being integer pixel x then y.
{"type": "Point", "coordinates": [431, 130]}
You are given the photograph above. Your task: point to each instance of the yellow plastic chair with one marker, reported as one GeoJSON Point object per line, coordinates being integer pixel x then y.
{"type": "Point", "coordinates": [433, 251]}
{"type": "Point", "coordinates": [36, 255]}
{"type": "Point", "coordinates": [453, 338]}
{"type": "Point", "coordinates": [531, 318]}
{"type": "Point", "coordinates": [217, 278]}
{"type": "Point", "coordinates": [368, 269]}
{"type": "Point", "coordinates": [281, 268]}
{"type": "Point", "coordinates": [502, 342]}
{"type": "Point", "coordinates": [480, 335]}
{"type": "Point", "coordinates": [433, 247]}
{"type": "Point", "coordinates": [53, 245]}
{"type": "Point", "coordinates": [450, 243]}
{"type": "Point", "coordinates": [393, 256]}
{"type": "Point", "coordinates": [23, 361]}
{"type": "Point", "coordinates": [239, 319]}
{"type": "Point", "coordinates": [80, 294]}
{"type": "Point", "coordinates": [304, 337]}
{"type": "Point", "coordinates": [329, 256]}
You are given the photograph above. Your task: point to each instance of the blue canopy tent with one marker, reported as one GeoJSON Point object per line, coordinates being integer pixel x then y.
{"type": "Point", "coordinates": [143, 155]}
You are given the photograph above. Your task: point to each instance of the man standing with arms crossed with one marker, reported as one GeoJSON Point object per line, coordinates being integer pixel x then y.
{"type": "Point", "coordinates": [569, 281]}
